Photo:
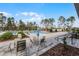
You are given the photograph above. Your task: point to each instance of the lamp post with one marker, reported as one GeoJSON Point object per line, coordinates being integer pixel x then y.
{"type": "Point", "coordinates": [38, 40]}
{"type": "Point", "coordinates": [38, 35]}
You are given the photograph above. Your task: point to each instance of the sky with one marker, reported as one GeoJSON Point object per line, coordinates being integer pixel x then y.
{"type": "Point", "coordinates": [37, 11]}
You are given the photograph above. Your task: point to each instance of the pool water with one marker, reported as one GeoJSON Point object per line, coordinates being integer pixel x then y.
{"type": "Point", "coordinates": [40, 32]}
{"type": "Point", "coordinates": [14, 33]}
{"type": "Point", "coordinates": [32, 32]}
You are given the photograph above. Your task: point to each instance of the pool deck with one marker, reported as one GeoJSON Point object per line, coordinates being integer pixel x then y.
{"type": "Point", "coordinates": [4, 45]}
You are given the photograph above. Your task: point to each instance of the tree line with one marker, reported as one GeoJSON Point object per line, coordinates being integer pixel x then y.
{"type": "Point", "coordinates": [62, 23]}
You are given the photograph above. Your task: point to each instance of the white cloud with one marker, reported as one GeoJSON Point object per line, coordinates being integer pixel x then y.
{"type": "Point", "coordinates": [16, 14]}
{"type": "Point", "coordinates": [33, 16]}
{"type": "Point", "coordinates": [6, 14]}
{"type": "Point", "coordinates": [30, 14]}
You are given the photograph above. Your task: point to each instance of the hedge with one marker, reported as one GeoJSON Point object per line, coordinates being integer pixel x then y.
{"type": "Point", "coordinates": [6, 36]}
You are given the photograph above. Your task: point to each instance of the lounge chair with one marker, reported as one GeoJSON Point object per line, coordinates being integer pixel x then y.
{"type": "Point", "coordinates": [42, 42]}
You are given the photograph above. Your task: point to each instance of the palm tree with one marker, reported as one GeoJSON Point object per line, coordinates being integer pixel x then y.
{"type": "Point", "coordinates": [48, 22]}
{"type": "Point", "coordinates": [70, 22]}
{"type": "Point", "coordinates": [10, 24]}
{"type": "Point", "coordinates": [13, 24]}
{"type": "Point", "coordinates": [22, 25]}
{"type": "Point", "coordinates": [62, 22]}
{"type": "Point", "coordinates": [2, 21]}
{"type": "Point", "coordinates": [51, 21]}
{"type": "Point", "coordinates": [35, 25]}
{"type": "Point", "coordinates": [31, 25]}
{"type": "Point", "coordinates": [45, 22]}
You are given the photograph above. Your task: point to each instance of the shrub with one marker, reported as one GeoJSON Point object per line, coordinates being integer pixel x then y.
{"type": "Point", "coordinates": [51, 30]}
{"type": "Point", "coordinates": [73, 30]}
{"type": "Point", "coordinates": [6, 36]}
{"type": "Point", "coordinates": [22, 33]}
{"type": "Point", "coordinates": [77, 30]}
{"type": "Point", "coordinates": [55, 30]}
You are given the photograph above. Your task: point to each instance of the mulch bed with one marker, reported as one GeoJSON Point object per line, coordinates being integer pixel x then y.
{"type": "Point", "coordinates": [59, 50]}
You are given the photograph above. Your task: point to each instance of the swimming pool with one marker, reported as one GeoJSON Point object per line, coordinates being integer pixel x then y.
{"type": "Point", "coordinates": [36, 32]}
{"type": "Point", "coordinates": [14, 32]}
{"type": "Point", "coordinates": [32, 33]}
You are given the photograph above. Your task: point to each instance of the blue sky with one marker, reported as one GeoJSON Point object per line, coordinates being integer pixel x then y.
{"type": "Point", "coordinates": [37, 11]}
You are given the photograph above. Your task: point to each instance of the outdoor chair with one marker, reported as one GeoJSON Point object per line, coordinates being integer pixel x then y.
{"type": "Point", "coordinates": [42, 42]}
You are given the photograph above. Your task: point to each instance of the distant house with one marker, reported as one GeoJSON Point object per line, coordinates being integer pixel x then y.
{"type": "Point", "coordinates": [57, 29]}
{"type": "Point", "coordinates": [2, 21]}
